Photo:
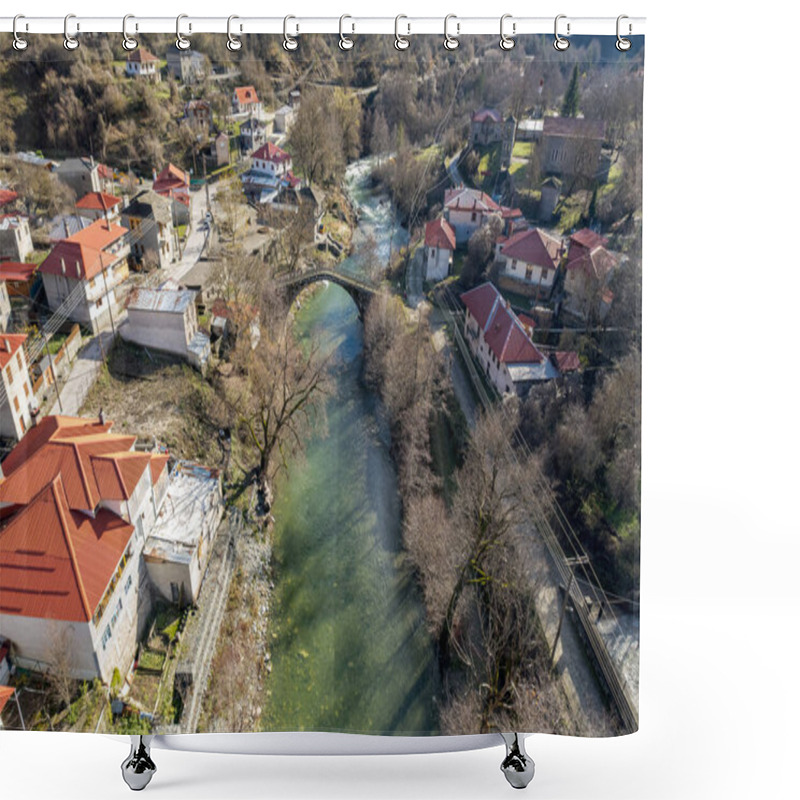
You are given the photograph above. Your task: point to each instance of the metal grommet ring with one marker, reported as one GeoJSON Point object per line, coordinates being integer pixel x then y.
{"type": "Point", "coordinates": [622, 44]}
{"type": "Point", "coordinates": [345, 43]}
{"type": "Point", "coordinates": [560, 42]}
{"type": "Point", "coordinates": [70, 42]}
{"type": "Point", "coordinates": [401, 42]}
{"type": "Point", "coordinates": [506, 42]}
{"type": "Point", "coordinates": [289, 42]}
{"type": "Point", "coordinates": [234, 43]}
{"type": "Point", "coordinates": [451, 42]}
{"type": "Point", "coordinates": [128, 42]}
{"type": "Point", "coordinates": [19, 43]}
{"type": "Point", "coordinates": [181, 42]}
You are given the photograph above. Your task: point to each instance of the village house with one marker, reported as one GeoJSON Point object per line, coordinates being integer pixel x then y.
{"type": "Point", "coordinates": [284, 119]}
{"type": "Point", "coordinates": [16, 396]}
{"type": "Point", "coordinates": [588, 269]}
{"type": "Point", "coordinates": [245, 101]}
{"type": "Point", "coordinates": [5, 304]}
{"type": "Point", "coordinates": [94, 259]}
{"type": "Point", "coordinates": [174, 184]}
{"type": "Point", "coordinates": [252, 134]}
{"type": "Point", "coordinates": [149, 218]}
{"type": "Point", "coordinates": [467, 210]}
{"type": "Point", "coordinates": [187, 66]}
{"type": "Point", "coordinates": [8, 197]}
{"type": "Point", "coordinates": [80, 504]}
{"type": "Point", "coordinates": [198, 114]}
{"type": "Point", "coordinates": [19, 279]}
{"type": "Point", "coordinates": [98, 205]}
{"type": "Point", "coordinates": [83, 175]}
{"type": "Point", "coordinates": [15, 237]}
{"type": "Point", "coordinates": [529, 262]}
{"type": "Point", "coordinates": [500, 343]}
{"type": "Point", "coordinates": [142, 63]}
{"type": "Point", "coordinates": [222, 149]}
{"type": "Point", "coordinates": [178, 548]}
{"type": "Point", "coordinates": [271, 168]}
{"type": "Point", "coordinates": [572, 147]}
{"type": "Point", "coordinates": [440, 244]}
{"type": "Point", "coordinates": [164, 319]}
{"type": "Point", "coordinates": [487, 127]}
{"type": "Point", "coordinates": [63, 226]}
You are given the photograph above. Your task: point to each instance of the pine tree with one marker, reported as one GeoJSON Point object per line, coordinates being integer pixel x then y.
{"type": "Point", "coordinates": [569, 108]}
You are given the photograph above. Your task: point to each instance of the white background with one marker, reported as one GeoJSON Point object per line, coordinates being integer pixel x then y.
{"type": "Point", "coordinates": [719, 701]}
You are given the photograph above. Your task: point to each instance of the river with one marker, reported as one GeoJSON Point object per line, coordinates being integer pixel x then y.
{"type": "Point", "coordinates": [350, 652]}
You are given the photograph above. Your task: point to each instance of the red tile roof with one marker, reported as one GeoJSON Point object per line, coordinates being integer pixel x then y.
{"type": "Point", "coordinates": [54, 426]}
{"type": "Point", "coordinates": [7, 196]}
{"type": "Point", "coordinates": [461, 199]}
{"type": "Point", "coordinates": [83, 254]}
{"type": "Point", "coordinates": [271, 152]}
{"type": "Point", "coordinates": [533, 246]}
{"type": "Point", "coordinates": [94, 464]}
{"type": "Point", "coordinates": [9, 344]}
{"type": "Point", "coordinates": [502, 331]}
{"type": "Point", "coordinates": [246, 95]}
{"type": "Point", "coordinates": [169, 178]}
{"type": "Point", "coordinates": [485, 114]}
{"type": "Point", "coordinates": [6, 693]}
{"type": "Point", "coordinates": [565, 360]}
{"type": "Point", "coordinates": [439, 233]}
{"type": "Point", "coordinates": [588, 253]}
{"type": "Point", "coordinates": [98, 201]}
{"type": "Point", "coordinates": [141, 55]}
{"type": "Point", "coordinates": [56, 563]}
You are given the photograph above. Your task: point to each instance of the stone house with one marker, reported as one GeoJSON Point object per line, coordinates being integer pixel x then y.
{"type": "Point", "coordinates": [572, 147]}
{"type": "Point", "coordinates": [149, 218]}
{"type": "Point", "coordinates": [487, 127]}
{"type": "Point", "coordinates": [467, 210]}
{"type": "Point", "coordinates": [15, 237]}
{"type": "Point", "coordinates": [245, 101]}
{"type": "Point", "coordinates": [84, 175]}
{"type": "Point", "coordinates": [187, 66]}
{"type": "Point", "coordinates": [588, 269]}
{"type": "Point", "coordinates": [99, 205]}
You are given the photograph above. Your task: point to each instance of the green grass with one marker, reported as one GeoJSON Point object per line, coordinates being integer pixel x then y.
{"type": "Point", "coordinates": [489, 165]}
{"type": "Point", "coordinates": [522, 149]}
{"type": "Point", "coordinates": [55, 343]}
{"type": "Point", "coordinates": [37, 257]}
{"type": "Point", "coordinates": [433, 152]}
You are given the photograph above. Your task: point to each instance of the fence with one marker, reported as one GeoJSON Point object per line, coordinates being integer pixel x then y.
{"type": "Point", "coordinates": [53, 367]}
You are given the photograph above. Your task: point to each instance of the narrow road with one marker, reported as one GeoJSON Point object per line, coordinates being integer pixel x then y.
{"type": "Point", "coordinates": [83, 374]}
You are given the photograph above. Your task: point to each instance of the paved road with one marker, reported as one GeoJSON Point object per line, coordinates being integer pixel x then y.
{"type": "Point", "coordinates": [196, 240]}
{"type": "Point", "coordinates": [84, 373]}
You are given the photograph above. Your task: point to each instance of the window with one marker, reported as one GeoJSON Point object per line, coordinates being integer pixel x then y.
{"type": "Point", "coordinates": [16, 403]}
{"type": "Point", "coordinates": [106, 637]}
{"type": "Point", "coordinates": [433, 252]}
{"type": "Point", "coordinates": [27, 390]}
{"type": "Point", "coordinates": [99, 302]}
{"type": "Point", "coordinates": [9, 373]}
{"type": "Point", "coordinates": [545, 273]}
{"type": "Point", "coordinates": [474, 216]}
{"type": "Point", "coordinates": [528, 273]}
{"type": "Point", "coordinates": [19, 360]}
{"type": "Point", "coordinates": [128, 584]}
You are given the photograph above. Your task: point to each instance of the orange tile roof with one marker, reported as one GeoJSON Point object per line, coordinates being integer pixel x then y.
{"type": "Point", "coordinates": [54, 426]}
{"type": "Point", "coordinates": [142, 55]}
{"type": "Point", "coordinates": [98, 201]}
{"type": "Point", "coordinates": [246, 94]}
{"type": "Point", "coordinates": [6, 693]}
{"type": "Point", "coordinates": [79, 261]}
{"type": "Point", "coordinates": [9, 344]}
{"type": "Point", "coordinates": [171, 175]}
{"type": "Point", "coordinates": [56, 563]}
{"type": "Point", "coordinates": [99, 235]}
{"type": "Point", "coordinates": [157, 464]}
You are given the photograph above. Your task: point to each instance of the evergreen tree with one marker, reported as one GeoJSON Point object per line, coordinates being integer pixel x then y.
{"type": "Point", "coordinates": [569, 108]}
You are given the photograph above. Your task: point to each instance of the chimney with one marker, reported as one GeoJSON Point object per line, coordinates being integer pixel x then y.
{"type": "Point", "coordinates": [101, 416]}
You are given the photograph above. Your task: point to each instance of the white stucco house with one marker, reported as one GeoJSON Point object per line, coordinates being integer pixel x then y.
{"type": "Point", "coordinates": [467, 210]}
{"type": "Point", "coordinates": [500, 343]}
{"type": "Point", "coordinates": [529, 261]}
{"type": "Point", "coordinates": [440, 244]}
{"type": "Point", "coordinates": [81, 505]}
{"type": "Point", "coordinates": [16, 398]}
{"type": "Point", "coordinates": [15, 237]}
{"type": "Point", "coordinates": [166, 319]}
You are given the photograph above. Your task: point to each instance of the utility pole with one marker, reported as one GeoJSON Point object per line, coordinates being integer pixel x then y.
{"type": "Point", "coordinates": [110, 314]}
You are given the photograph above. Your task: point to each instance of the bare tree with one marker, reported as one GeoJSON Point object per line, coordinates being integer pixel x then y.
{"type": "Point", "coordinates": [59, 656]}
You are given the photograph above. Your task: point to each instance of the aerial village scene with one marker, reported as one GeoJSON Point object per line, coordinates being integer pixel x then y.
{"type": "Point", "coordinates": [321, 379]}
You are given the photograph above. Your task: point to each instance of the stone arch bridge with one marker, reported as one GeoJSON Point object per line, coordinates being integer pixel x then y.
{"type": "Point", "coordinates": [360, 289]}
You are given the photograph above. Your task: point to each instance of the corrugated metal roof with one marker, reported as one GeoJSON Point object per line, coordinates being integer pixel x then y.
{"type": "Point", "coordinates": [169, 301]}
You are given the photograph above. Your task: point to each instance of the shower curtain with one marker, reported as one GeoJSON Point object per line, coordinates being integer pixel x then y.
{"type": "Point", "coordinates": [321, 384]}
